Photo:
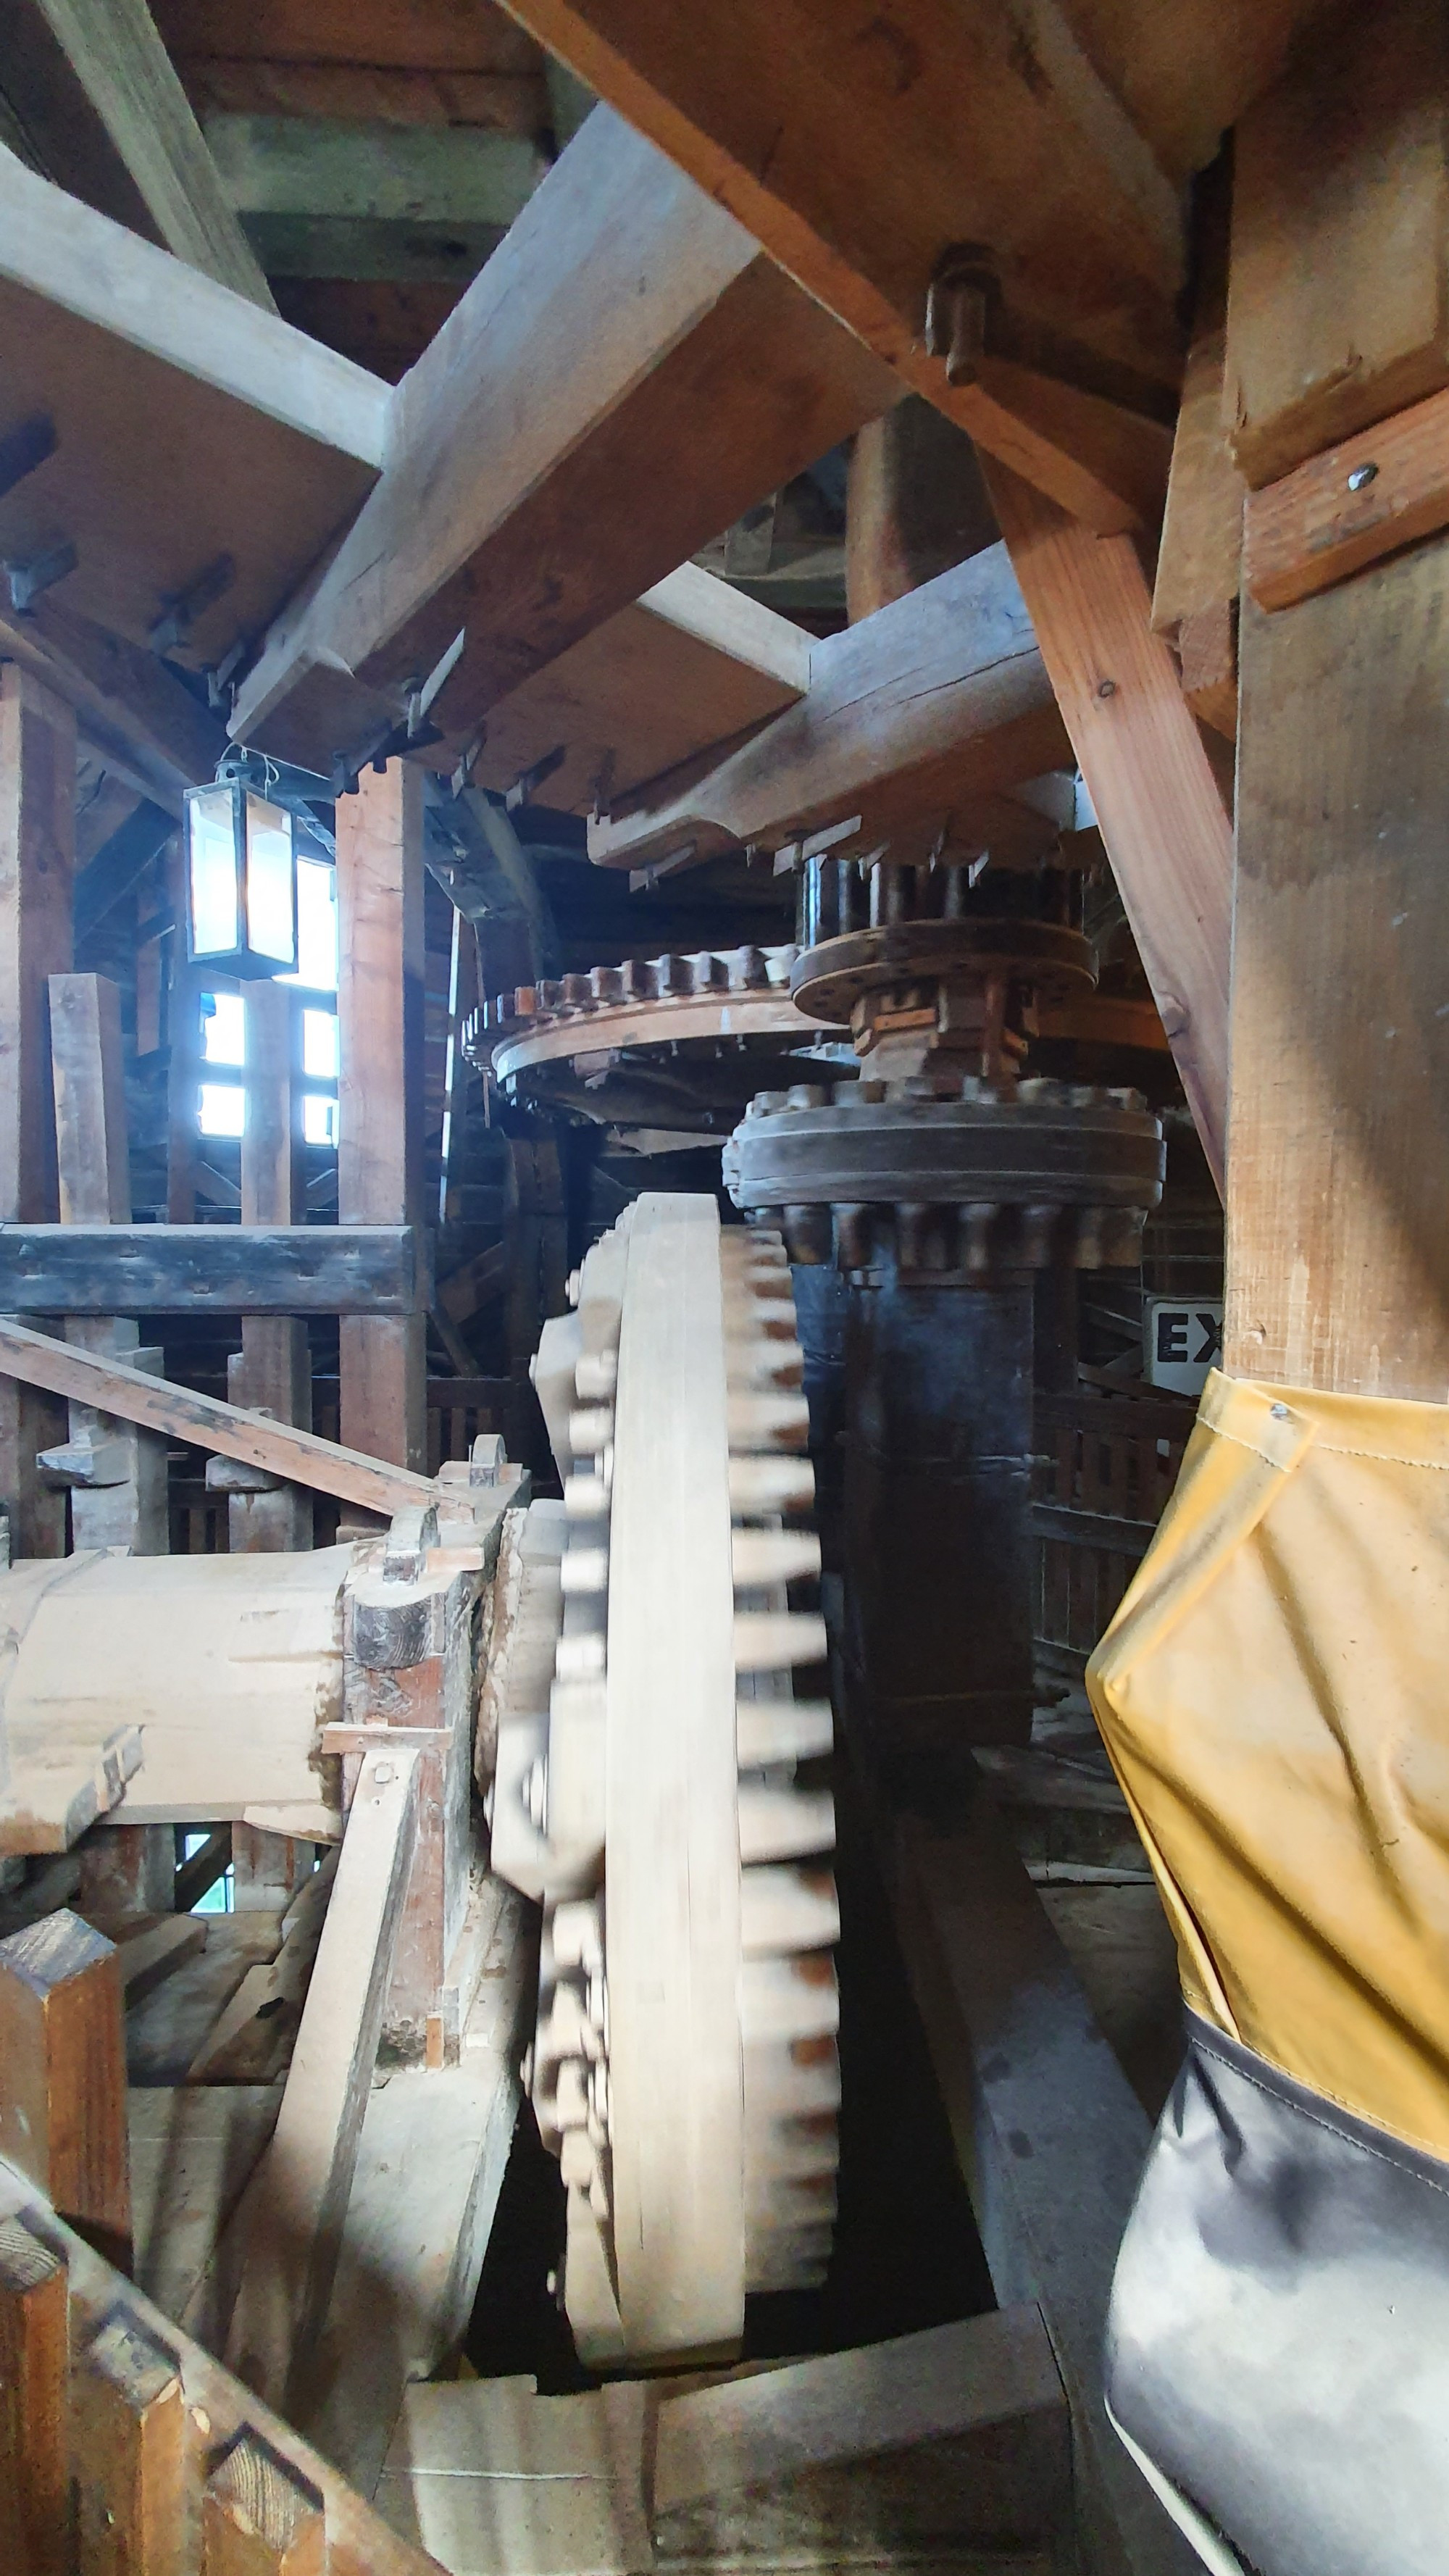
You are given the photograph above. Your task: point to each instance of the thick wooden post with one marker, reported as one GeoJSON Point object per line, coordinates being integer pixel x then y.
{"type": "Point", "coordinates": [383, 1360]}
{"type": "Point", "coordinates": [63, 2076]}
{"type": "Point", "coordinates": [1338, 1198]}
{"type": "Point", "coordinates": [117, 1475]}
{"type": "Point", "coordinates": [37, 871]}
{"type": "Point", "coordinates": [132, 2450]}
{"type": "Point", "coordinates": [272, 1373]}
{"type": "Point", "coordinates": [34, 2447]}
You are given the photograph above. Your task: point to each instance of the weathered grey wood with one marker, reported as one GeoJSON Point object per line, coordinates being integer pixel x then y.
{"type": "Point", "coordinates": [201, 1269]}
{"type": "Point", "coordinates": [273, 1370]}
{"type": "Point", "coordinates": [939, 702]}
{"type": "Point", "coordinates": [37, 865]}
{"type": "Point", "coordinates": [382, 1358]}
{"type": "Point", "coordinates": [37, 1360]}
{"type": "Point", "coordinates": [626, 337]}
{"type": "Point", "coordinates": [93, 88]}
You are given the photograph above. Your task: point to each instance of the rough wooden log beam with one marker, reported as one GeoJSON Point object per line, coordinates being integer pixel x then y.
{"type": "Point", "coordinates": [200, 1269]}
{"type": "Point", "coordinates": [627, 338]}
{"type": "Point", "coordinates": [1148, 774]}
{"type": "Point", "coordinates": [36, 1360]}
{"type": "Point", "coordinates": [869, 148]}
{"type": "Point", "coordinates": [939, 701]}
{"type": "Point", "coordinates": [94, 93]}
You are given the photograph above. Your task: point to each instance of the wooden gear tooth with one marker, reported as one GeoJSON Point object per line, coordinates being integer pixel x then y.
{"type": "Point", "coordinates": [785, 1908]}
{"type": "Point", "coordinates": [762, 1361]}
{"type": "Point", "coordinates": [763, 1422]}
{"type": "Point", "coordinates": [784, 1823]}
{"type": "Point", "coordinates": [772, 1731]}
{"type": "Point", "coordinates": [789, 1999]}
{"type": "Point", "coordinates": [769, 1641]}
{"type": "Point", "coordinates": [762, 1484]}
{"type": "Point", "coordinates": [761, 1558]}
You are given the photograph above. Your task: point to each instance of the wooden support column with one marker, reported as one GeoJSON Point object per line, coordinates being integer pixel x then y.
{"type": "Point", "coordinates": [37, 870]}
{"type": "Point", "coordinates": [63, 2076]}
{"type": "Point", "coordinates": [116, 1474]}
{"type": "Point", "coordinates": [1337, 1239]}
{"type": "Point", "coordinates": [1148, 773]}
{"type": "Point", "coordinates": [272, 1372]}
{"type": "Point", "coordinates": [383, 1362]}
{"type": "Point", "coordinates": [34, 2449]}
{"type": "Point", "coordinates": [132, 2443]}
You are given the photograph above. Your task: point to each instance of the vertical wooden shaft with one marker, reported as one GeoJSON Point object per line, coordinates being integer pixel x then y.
{"type": "Point", "coordinates": [915, 504]}
{"type": "Point", "coordinates": [37, 871]}
{"type": "Point", "coordinates": [380, 1092]}
{"type": "Point", "coordinates": [63, 2076]}
{"type": "Point", "coordinates": [34, 2466]}
{"type": "Point", "coordinates": [118, 1479]}
{"type": "Point", "coordinates": [1148, 774]}
{"type": "Point", "coordinates": [132, 2455]}
{"type": "Point", "coordinates": [274, 1372]}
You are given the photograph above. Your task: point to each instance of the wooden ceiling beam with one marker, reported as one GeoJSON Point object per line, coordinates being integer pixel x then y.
{"type": "Point", "coordinates": [626, 375]}
{"type": "Point", "coordinates": [938, 704]}
{"type": "Point", "coordinates": [859, 149]}
{"type": "Point", "coordinates": [90, 87]}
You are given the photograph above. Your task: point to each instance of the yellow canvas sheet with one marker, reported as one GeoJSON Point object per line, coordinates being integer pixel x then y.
{"type": "Point", "coordinates": [1274, 1692]}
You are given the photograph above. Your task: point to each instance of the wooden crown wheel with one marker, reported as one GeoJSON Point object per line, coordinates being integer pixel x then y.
{"type": "Point", "coordinates": [685, 2065]}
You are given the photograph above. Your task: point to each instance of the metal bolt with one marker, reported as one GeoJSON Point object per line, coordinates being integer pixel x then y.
{"type": "Point", "coordinates": [1106, 688]}
{"type": "Point", "coordinates": [1361, 477]}
{"type": "Point", "coordinates": [1279, 1412]}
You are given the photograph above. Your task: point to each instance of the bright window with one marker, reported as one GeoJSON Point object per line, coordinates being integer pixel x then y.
{"type": "Point", "coordinates": [223, 1109]}
{"type": "Point", "coordinates": [319, 1045]}
{"type": "Point", "coordinates": [223, 1028]}
{"type": "Point", "coordinates": [319, 1118]}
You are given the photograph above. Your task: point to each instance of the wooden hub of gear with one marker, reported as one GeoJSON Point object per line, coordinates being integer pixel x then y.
{"type": "Point", "coordinates": [685, 2067]}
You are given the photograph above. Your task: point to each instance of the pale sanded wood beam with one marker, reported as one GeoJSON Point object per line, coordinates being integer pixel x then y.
{"type": "Point", "coordinates": [93, 92]}
{"type": "Point", "coordinates": [626, 375]}
{"type": "Point", "coordinates": [858, 149]}
{"type": "Point", "coordinates": [937, 703]}
{"type": "Point", "coordinates": [1148, 774]}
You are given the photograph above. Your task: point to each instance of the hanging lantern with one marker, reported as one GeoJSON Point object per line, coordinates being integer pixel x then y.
{"type": "Point", "coordinates": [241, 880]}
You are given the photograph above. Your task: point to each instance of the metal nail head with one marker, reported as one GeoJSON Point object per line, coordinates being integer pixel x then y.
{"type": "Point", "coordinates": [1361, 477]}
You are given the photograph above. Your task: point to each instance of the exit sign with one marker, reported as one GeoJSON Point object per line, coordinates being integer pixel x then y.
{"type": "Point", "coordinates": [1181, 1340]}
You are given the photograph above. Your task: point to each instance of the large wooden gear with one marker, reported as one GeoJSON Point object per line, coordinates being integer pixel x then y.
{"type": "Point", "coordinates": [685, 2066]}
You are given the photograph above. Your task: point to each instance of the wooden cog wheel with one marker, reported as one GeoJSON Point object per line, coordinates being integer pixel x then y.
{"type": "Point", "coordinates": [685, 2067]}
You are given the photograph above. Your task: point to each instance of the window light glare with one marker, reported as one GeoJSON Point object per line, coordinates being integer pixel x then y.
{"type": "Point", "coordinates": [223, 1109]}
{"type": "Point", "coordinates": [224, 1029]}
{"type": "Point", "coordinates": [319, 1118]}
{"type": "Point", "coordinates": [319, 1045]}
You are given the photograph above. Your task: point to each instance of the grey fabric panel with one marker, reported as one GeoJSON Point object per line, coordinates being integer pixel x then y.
{"type": "Point", "coordinates": [1278, 2338]}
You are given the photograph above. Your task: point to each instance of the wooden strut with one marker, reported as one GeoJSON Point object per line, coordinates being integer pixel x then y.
{"type": "Point", "coordinates": [36, 1359]}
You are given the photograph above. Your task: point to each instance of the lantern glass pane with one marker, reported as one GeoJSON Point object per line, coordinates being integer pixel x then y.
{"type": "Point", "coordinates": [271, 893]}
{"type": "Point", "coordinates": [211, 870]}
